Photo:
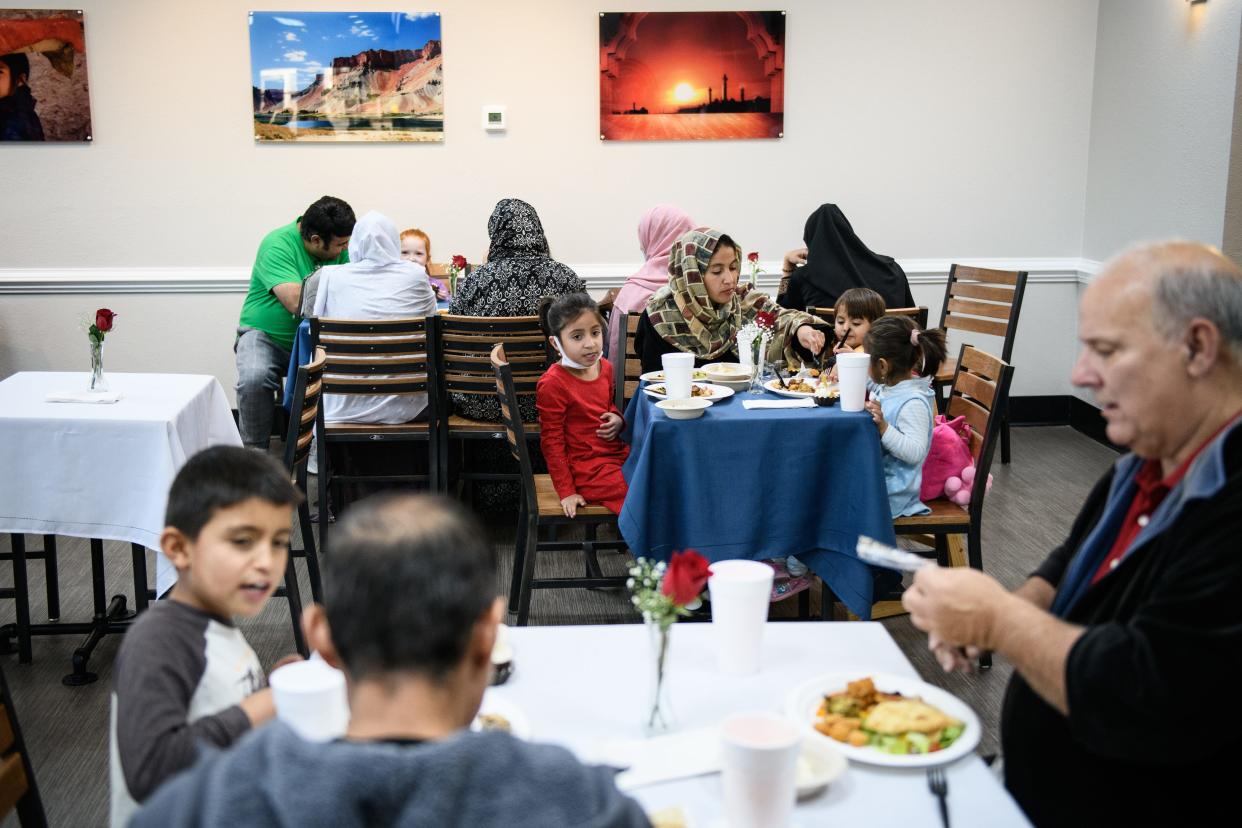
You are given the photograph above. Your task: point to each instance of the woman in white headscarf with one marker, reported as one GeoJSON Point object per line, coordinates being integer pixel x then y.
{"type": "Point", "coordinates": [376, 284]}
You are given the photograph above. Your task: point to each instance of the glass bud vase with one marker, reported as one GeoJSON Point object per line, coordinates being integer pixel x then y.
{"type": "Point", "coordinates": [98, 381]}
{"type": "Point", "coordinates": [658, 717]}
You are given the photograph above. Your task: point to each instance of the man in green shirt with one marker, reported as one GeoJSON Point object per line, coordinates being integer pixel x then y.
{"type": "Point", "coordinates": [269, 316]}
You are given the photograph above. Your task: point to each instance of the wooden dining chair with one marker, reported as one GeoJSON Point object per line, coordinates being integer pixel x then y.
{"type": "Point", "coordinates": [303, 414]}
{"type": "Point", "coordinates": [375, 357]}
{"type": "Point", "coordinates": [18, 790]}
{"type": "Point", "coordinates": [918, 314]}
{"type": "Point", "coordinates": [630, 367]}
{"type": "Point", "coordinates": [464, 345]}
{"type": "Point", "coordinates": [540, 506]}
{"type": "Point", "coordinates": [985, 301]}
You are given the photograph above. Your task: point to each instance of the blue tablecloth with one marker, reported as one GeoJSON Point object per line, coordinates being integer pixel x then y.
{"type": "Point", "coordinates": [758, 484]}
{"type": "Point", "coordinates": [300, 354]}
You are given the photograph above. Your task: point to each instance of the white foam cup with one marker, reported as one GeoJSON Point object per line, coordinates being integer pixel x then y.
{"type": "Point", "coordinates": [852, 372]}
{"type": "Point", "coordinates": [759, 756]}
{"type": "Point", "coordinates": [310, 697]}
{"type": "Point", "coordinates": [678, 369]}
{"type": "Point", "coordinates": [740, 592]}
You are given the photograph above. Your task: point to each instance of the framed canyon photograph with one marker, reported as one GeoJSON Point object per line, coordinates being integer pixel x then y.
{"type": "Point", "coordinates": [347, 76]}
{"type": "Point", "coordinates": [684, 76]}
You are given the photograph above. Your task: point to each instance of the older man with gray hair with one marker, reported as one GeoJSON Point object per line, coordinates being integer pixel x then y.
{"type": "Point", "coordinates": [1127, 641]}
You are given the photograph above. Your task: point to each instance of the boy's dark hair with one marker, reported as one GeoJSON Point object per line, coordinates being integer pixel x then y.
{"type": "Point", "coordinates": [19, 66]}
{"type": "Point", "coordinates": [328, 218]}
{"type": "Point", "coordinates": [408, 577]}
{"type": "Point", "coordinates": [864, 303]}
{"type": "Point", "coordinates": [892, 338]}
{"type": "Point", "coordinates": [223, 476]}
{"type": "Point", "coordinates": [555, 312]}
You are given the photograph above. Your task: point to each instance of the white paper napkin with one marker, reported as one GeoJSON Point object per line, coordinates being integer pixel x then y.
{"type": "Point", "coordinates": [83, 397]}
{"type": "Point", "coordinates": [800, 402]}
{"type": "Point", "coordinates": [663, 758]}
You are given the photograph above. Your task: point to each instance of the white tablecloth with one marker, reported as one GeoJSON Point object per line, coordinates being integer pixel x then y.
{"type": "Point", "coordinates": [584, 686]}
{"type": "Point", "coordinates": [99, 470]}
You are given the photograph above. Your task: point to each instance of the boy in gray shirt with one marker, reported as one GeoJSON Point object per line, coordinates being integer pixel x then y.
{"type": "Point", "coordinates": [411, 616]}
{"type": "Point", "coordinates": [185, 675]}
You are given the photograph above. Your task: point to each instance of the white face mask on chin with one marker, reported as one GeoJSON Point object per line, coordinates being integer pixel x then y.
{"type": "Point", "coordinates": [565, 361]}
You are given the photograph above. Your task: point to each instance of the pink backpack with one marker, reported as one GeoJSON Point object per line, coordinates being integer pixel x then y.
{"type": "Point", "coordinates": [948, 457]}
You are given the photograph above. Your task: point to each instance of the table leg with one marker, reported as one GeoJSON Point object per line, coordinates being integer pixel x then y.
{"type": "Point", "coordinates": [140, 577]}
{"type": "Point", "coordinates": [107, 615]}
{"type": "Point", "coordinates": [52, 577]}
{"type": "Point", "coordinates": [21, 598]}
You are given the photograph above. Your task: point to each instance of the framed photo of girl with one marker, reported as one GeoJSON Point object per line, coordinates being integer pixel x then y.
{"type": "Point", "coordinates": [43, 86]}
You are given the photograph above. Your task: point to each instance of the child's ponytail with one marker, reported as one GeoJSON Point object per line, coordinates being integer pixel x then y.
{"type": "Point", "coordinates": [907, 349]}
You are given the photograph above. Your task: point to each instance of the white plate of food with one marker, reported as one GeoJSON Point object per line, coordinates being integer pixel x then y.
{"type": "Point", "coordinates": [798, 387]}
{"type": "Point", "coordinates": [697, 375]}
{"type": "Point", "coordinates": [698, 390]}
{"type": "Point", "coordinates": [885, 719]}
{"type": "Point", "coordinates": [498, 713]}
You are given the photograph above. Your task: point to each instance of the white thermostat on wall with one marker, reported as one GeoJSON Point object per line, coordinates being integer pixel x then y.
{"type": "Point", "coordinates": [494, 118]}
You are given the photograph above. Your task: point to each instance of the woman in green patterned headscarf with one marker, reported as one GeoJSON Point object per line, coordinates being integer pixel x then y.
{"type": "Point", "coordinates": [700, 310]}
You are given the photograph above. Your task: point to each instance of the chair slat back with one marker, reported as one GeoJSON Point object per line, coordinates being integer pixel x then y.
{"type": "Point", "coordinates": [986, 301]}
{"type": "Point", "coordinates": [466, 343]}
{"type": "Point", "coordinates": [303, 412]}
{"type": "Point", "coordinates": [376, 356]}
{"type": "Point", "coordinates": [18, 789]}
{"type": "Point", "coordinates": [980, 392]}
{"type": "Point", "coordinates": [626, 379]}
{"type": "Point", "coordinates": [918, 314]}
{"type": "Point", "coordinates": [511, 418]}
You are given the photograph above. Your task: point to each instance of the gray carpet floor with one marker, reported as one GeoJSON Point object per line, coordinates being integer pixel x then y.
{"type": "Point", "coordinates": [66, 729]}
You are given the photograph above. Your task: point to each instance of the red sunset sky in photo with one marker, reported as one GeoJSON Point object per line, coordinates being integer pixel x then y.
{"type": "Point", "coordinates": [678, 56]}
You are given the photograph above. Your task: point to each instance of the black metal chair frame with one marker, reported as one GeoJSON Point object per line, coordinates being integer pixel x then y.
{"type": "Point", "coordinates": [528, 544]}
{"type": "Point", "coordinates": [29, 806]}
{"type": "Point", "coordinates": [464, 349]}
{"type": "Point", "coordinates": [303, 414]}
{"type": "Point", "coordinates": [412, 369]}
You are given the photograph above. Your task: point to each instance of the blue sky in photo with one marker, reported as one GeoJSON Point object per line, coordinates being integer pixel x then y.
{"type": "Point", "coordinates": [308, 41]}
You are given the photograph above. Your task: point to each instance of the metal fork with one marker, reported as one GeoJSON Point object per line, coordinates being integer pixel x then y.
{"type": "Point", "coordinates": [940, 787]}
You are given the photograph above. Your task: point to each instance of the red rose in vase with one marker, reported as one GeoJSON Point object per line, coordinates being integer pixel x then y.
{"type": "Point", "coordinates": [752, 257]}
{"type": "Point", "coordinates": [103, 319]}
{"type": "Point", "coordinates": [459, 262]}
{"type": "Point", "coordinates": [685, 577]}
{"type": "Point", "coordinates": [765, 320]}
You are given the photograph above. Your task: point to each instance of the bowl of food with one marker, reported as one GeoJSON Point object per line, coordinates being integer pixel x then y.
{"type": "Point", "coordinates": [733, 375]}
{"type": "Point", "coordinates": [684, 409]}
{"type": "Point", "coordinates": [819, 765]}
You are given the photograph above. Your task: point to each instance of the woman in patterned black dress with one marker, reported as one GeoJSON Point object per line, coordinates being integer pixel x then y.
{"type": "Point", "coordinates": [519, 272]}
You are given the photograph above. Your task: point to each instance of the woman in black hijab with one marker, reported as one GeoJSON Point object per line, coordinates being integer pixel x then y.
{"type": "Point", "coordinates": [835, 261]}
{"type": "Point", "coordinates": [519, 272]}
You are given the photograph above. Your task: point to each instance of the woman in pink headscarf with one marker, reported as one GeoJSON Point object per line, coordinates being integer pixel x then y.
{"type": "Point", "coordinates": [657, 230]}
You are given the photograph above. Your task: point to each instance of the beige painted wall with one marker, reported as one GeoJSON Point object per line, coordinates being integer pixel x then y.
{"type": "Point", "coordinates": [1161, 120]}
{"type": "Point", "coordinates": [1233, 198]}
{"type": "Point", "coordinates": [953, 128]}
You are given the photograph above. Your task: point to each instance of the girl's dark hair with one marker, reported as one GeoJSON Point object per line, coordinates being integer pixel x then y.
{"type": "Point", "coordinates": [861, 302]}
{"type": "Point", "coordinates": [889, 338]}
{"type": "Point", "coordinates": [555, 312]}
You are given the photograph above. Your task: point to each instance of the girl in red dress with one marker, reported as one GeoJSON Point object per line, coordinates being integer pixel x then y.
{"type": "Point", "coordinates": [579, 425]}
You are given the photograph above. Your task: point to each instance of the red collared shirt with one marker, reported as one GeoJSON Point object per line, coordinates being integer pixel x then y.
{"type": "Point", "coordinates": [1152, 490]}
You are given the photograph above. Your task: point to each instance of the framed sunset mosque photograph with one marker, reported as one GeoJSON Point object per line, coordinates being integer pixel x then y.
{"type": "Point", "coordinates": [683, 76]}
{"type": "Point", "coordinates": [347, 76]}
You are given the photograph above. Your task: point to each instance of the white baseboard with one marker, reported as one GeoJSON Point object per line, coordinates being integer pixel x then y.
{"type": "Point", "coordinates": [598, 276]}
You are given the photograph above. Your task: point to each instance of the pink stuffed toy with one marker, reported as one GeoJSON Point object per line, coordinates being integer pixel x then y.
{"type": "Point", "coordinates": [949, 470]}
{"type": "Point", "coordinates": [959, 488]}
